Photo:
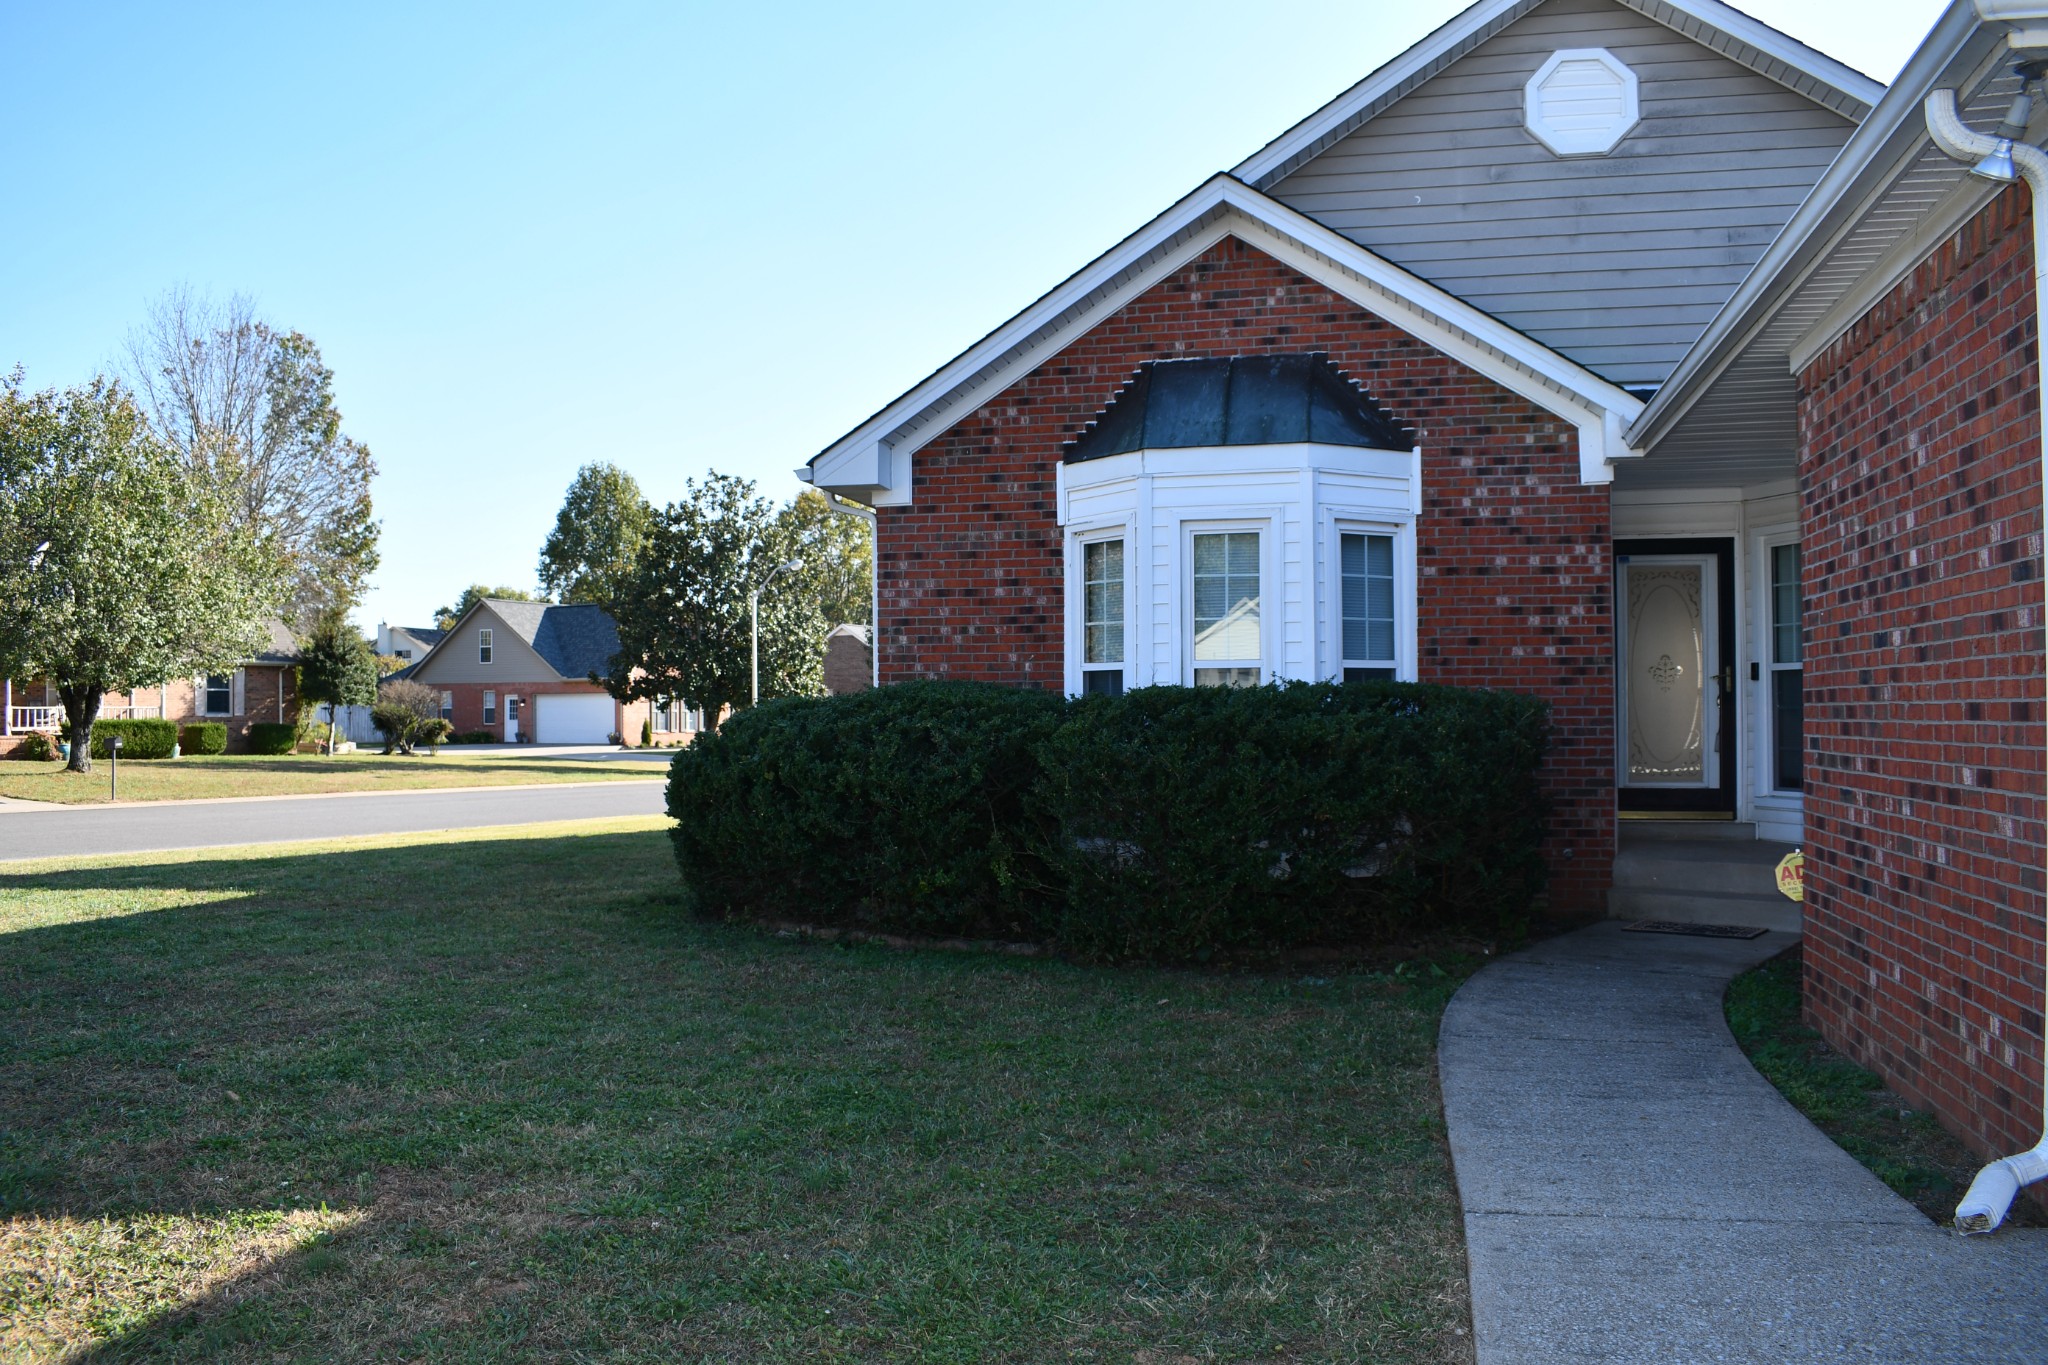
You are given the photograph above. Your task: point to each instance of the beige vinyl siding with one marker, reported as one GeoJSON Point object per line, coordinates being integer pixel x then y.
{"type": "Point", "coordinates": [1618, 261]}
{"type": "Point", "coordinates": [512, 659]}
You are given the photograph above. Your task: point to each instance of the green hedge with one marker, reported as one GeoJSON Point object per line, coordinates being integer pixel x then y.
{"type": "Point", "coordinates": [1194, 821]}
{"type": "Point", "coordinates": [273, 737]}
{"type": "Point", "coordinates": [1171, 823]}
{"type": "Point", "coordinates": [203, 737]}
{"type": "Point", "coordinates": [36, 747]}
{"type": "Point", "coordinates": [902, 809]}
{"type": "Point", "coordinates": [139, 738]}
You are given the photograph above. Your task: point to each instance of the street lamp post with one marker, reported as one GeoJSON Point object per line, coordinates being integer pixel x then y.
{"type": "Point", "coordinates": [754, 610]}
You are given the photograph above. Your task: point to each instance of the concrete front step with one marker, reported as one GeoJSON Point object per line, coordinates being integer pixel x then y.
{"type": "Point", "coordinates": [1689, 831]}
{"type": "Point", "coordinates": [1660, 873]}
{"type": "Point", "coordinates": [1705, 907]}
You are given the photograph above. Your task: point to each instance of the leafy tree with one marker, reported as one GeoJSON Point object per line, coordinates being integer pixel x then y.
{"type": "Point", "coordinates": [683, 625]}
{"type": "Point", "coordinates": [337, 668]}
{"type": "Point", "coordinates": [838, 553]}
{"type": "Point", "coordinates": [117, 569]}
{"type": "Point", "coordinates": [589, 555]}
{"type": "Point", "coordinates": [446, 617]}
{"type": "Point", "coordinates": [409, 715]}
{"type": "Point", "coordinates": [251, 410]}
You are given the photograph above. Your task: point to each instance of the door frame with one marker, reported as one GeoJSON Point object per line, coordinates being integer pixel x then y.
{"type": "Point", "coordinates": [1684, 803]}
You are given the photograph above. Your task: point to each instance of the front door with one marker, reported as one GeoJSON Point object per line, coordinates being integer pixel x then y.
{"type": "Point", "coordinates": [1676, 690]}
{"type": "Point", "coordinates": [511, 720]}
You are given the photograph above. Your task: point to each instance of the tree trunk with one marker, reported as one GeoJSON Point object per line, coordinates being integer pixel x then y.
{"type": "Point", "coordinates": [81, 712]}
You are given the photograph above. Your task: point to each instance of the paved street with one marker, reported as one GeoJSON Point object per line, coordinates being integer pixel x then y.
{"type": "Point", "coordinates": [63, 831]}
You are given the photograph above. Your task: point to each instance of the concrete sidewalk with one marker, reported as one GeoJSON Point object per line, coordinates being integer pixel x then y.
{"type": "Point", "coordinates": [1635, 1191]}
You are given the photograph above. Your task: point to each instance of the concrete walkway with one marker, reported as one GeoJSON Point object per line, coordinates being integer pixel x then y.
{"type": "Point", "coordinates": [1635, 1191]}
{"type": "Point", "coordinates": [49, 831]}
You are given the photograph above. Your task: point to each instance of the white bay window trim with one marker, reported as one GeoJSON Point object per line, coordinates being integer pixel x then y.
{"type": "Point", "coordinates": [1301, 498]}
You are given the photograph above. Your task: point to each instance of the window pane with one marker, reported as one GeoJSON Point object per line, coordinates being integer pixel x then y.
{"type": "Point", "coordinates": [1103, 682]}
{"type": "Point", "coordinates": [1227, 596]}
{"type": "Point", "coordinates": [1368, 674]}
{"type": "Point", "coordinates": [1226, 677]}
{"type": "Point", "coordinates": [1367, 566]}
{"type": "Point", "coordinates": [1102, 602]}
{"type": "Point", "coordinates": [1787, 725]}
{"type": "Point", "coordinates": [1785, 604]}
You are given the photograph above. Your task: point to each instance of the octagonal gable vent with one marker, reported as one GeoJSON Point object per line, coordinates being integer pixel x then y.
{"type": "Point", "coordinates": [1581, 102]}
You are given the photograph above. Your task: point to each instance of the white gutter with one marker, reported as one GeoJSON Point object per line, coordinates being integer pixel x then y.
{"type": "Point", "coordinates": [1991, 1193]}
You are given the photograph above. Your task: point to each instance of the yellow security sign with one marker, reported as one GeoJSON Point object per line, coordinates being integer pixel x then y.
{"type": "Point", "coordinates": [1792, 875]}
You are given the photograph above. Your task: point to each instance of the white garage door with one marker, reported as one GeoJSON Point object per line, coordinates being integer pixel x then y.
{"type": "Point", "coordinates": [573, 719]}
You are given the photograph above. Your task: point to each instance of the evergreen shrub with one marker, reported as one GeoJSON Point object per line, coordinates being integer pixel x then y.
{"type": "Point", "coordinates": [139, 738]}
{"type": "Point", "coordinates": [1171, 823]}
{"type": "Point", "coordinates": [904, 810]}
{"type": "Point", "coordinates": [36, 747]}
{"type": "Point", "coordinates": [1192, 821]}
{"type": "Point", "coordinates": [273, 737]}
{"type": "Point", "coordinates": [203, 737]}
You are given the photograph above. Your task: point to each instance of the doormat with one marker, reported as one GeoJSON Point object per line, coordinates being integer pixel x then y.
{"type": "Point", "coordinates": [1663, 926]}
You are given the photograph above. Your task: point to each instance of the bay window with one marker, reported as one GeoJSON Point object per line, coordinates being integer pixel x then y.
{"type": "Point", "coordinates": [1228, 648]}
{"type": "Point", "coordinates": [1102, 617]}
{"type": "Point", "coordinates": [1366, 569]}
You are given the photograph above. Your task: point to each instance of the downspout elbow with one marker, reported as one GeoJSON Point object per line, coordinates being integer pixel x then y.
{"type": "Point", "coordinates": [1991, 1194]}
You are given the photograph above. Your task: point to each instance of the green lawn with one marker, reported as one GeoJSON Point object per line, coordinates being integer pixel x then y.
{"type": "Point", "coordinates": [496, 1098]}
{"type": "Point", "coordinates": [1906, 1148]}
{"type": "Point", "coordinates": [185, 779]}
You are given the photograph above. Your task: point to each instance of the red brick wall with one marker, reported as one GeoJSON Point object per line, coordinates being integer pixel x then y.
{"type": "Point", "coordinates": [1516, 582]}
{"type": "Point", "coordinates": [1920, 492]}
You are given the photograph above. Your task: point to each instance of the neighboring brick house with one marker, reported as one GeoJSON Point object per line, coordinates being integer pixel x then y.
{"type": "Point", "coordinates": [1683, 382]}
{"type": "Point", "coordinates": [263, 689]}
{"type": "Point", "coordinates": [525, 672]}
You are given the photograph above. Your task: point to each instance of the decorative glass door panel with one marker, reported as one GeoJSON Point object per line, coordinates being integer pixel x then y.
{"type": "Point", "coordinates": [1675, 690]}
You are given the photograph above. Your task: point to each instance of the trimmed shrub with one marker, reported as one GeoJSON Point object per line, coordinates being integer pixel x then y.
{"type": "Point", "coordinates": [36, 747]}
{"type": "Point", "coordinates": [902, 809]}
{"type": "Point", "coordinates": [139, 738]}
{"type": "Point", "coordinates": [409, 716]}
{"type": "Point", "coordinates": [203, 737]}
{"type": "Point", "coordinates": [473, 737]}
{"type": "Point", "coordinates": [1197, 821]}
{"type": "Point", "coordinates": [273, 737]}
{"type": "Point", "coordinates": [1171, 823]}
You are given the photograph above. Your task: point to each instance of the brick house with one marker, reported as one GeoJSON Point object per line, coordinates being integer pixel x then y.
{"type": "Point", "coordinates": [525, 672]}
{"type": "Point", "coordinates": [263, 689]}
{"type": "Point", "coordinates": [1625, 352]}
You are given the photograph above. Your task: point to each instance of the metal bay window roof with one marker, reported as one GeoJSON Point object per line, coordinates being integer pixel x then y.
{"type": "Point", "coordinates": [1239, 401]}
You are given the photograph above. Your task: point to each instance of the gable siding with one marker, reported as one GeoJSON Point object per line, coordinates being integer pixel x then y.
{"type": "Point", "coordinates": [1617, 261]}
{"type": "Point", "coordinates": [512, 659]}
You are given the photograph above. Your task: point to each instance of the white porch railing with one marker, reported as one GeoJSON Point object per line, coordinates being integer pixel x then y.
{"type": "Point", "coordinates": [23, 718]}
{"type": "Point", "coordinates": [130, 712]}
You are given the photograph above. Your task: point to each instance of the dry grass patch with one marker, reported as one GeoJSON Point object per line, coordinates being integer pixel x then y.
{"type": "Point", "coordinates": [230, 775]}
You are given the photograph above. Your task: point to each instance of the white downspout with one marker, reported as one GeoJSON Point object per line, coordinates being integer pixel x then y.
{"type": "Point", "coordinates": [1992, 1192]}
{"type": "Point", "coordinates": [867, 514]}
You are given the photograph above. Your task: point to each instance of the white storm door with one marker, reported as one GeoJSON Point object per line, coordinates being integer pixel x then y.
{"type": "Point", "coordinates": [1669, 664]}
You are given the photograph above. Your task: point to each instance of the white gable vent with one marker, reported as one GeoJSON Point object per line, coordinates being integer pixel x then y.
{"type": "Point", "coordinates": [1581, 102]}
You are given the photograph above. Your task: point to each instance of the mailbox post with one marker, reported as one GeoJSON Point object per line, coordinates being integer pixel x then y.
{"type": "Point", "coordinates": [114, 768]}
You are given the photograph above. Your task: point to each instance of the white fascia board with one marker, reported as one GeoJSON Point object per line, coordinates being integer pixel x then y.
{"type": "Point", "coordinates": [1886, 142]}
{"type": "Point", "coordinates": [1394, 79]}
{"type": "Point", "coordinates": [1479, 23]}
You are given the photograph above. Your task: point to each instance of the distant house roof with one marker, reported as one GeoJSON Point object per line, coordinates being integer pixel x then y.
{"type": "Point", "coordinates": [282, 649]}
{"type": "Point", "coordinates": [1243, 400]}
{"type": "Point", "coordinates": [426, 635]}
{"type": "Point", "coordinates": [577, 640]}
{"type": "Point", "coordinates": [858, 632]}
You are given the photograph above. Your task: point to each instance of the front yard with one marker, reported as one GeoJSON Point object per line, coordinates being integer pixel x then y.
{"type": "Point", "coordinates": [492, 1097]}
{"type": "Point", "coordinates": [191, 778]}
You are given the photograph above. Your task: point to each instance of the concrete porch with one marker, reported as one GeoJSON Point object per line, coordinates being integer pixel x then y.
{"type": "Point", "coordinates": [1700, 872]}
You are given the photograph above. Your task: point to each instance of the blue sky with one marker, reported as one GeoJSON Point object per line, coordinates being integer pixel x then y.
{"type": "Point", "coordinates": [675, 237]}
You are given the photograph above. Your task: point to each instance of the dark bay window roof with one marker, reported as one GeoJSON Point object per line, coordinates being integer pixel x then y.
{"type": "Point", "coordinates": [1241, 400]}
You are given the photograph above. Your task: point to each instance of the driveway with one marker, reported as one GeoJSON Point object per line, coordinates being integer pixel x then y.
{"type": "Point", "coordinates": [28, 831]}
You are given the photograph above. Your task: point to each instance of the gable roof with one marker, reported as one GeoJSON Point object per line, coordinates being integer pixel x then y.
{"type": "Point", "coordinates": [1884, 203]}
{"type": "Point", "coordinates": [1720, 27]}
{"type": "Point", "coordinates": [871, 463]}
{"type": "Point", "coordinates": [577, 640]}
{"type": "Point", "coordinates": [1243, 400]}
{"type": "Point", "coordinates": [282, 648]}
